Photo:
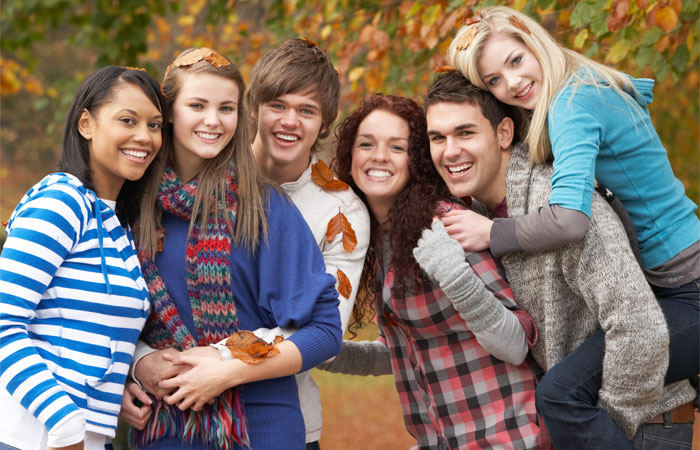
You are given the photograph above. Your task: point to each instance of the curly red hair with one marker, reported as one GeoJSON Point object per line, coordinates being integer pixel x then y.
{"type": "Point", "coordinates": [414, 207]}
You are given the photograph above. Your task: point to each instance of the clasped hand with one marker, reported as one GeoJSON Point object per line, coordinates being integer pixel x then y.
{"type": "Point", "coordinates": [470, 229]}
{"type": "Point", "coordinates": [181, 378]}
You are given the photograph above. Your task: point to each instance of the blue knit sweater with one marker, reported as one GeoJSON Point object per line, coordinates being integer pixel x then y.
{"type": "Point", "coordinates": [283, 284]}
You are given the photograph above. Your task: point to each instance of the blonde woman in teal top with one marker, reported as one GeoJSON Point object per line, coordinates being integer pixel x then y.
{"type": "Point", "coordinates": [593, 122]}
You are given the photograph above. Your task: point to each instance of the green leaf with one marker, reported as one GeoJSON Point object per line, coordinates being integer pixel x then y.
{"type": "Point", "coordinates": [619, 51]}
{"type": "Point", "coordinates": [644, 56]}
{"type": "Point", "coordinates": [592, 50]}
{"type": "Point", "coordinates": [583, 14]}
{"type": "Point", "coordinates": [651, 37]}
{"type": "Point", "coordinates": [414, 9]}
{"type": "Point", "coordinates": [660, 66]}
{"type": "Point", "coordinates": [689, 7]}
{"type": "Point", "coordinates": [680, 59]}
{"type": "Point", "coordinates": [599, 26]}
{"type": "Point", "coordinates": [431, 15]}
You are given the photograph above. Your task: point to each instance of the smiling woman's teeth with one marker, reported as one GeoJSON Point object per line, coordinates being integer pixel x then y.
{"type": "Point", "coordinates": [378, 173]}
{"type": "Point", "coordinates": [527, 91]}
{"type": "Point", "coordinates": [135, 153]}
{"type": "Point", "coordinates": [460, 168]}
{"type": "Point", "coordinates": [207, 135]}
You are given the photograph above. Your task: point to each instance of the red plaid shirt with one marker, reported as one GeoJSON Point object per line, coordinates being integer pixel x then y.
{"type": "Point", "coordinates": [454, 394]}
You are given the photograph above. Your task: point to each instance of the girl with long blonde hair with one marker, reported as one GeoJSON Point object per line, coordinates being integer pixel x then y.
{"type": "Point", "coordinates": [592, 123]}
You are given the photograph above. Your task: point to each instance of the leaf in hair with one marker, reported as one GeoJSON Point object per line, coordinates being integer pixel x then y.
{"type": "Point", "coordinates": [466, 38]}
{"type": "Point", "coordinates": [442, 69]}
{"type": "Point", "coordinates": [517, 23]}
{"type": "Point", "coordinates": [203, 53]}
{"type": "Point", "coordinates": [471, 20]}
{"type": "Point", "coordinates": [314, 43]}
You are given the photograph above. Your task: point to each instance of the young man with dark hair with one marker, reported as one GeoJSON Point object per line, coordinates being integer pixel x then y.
{"type": "Point", "coordinates": [587, 294]}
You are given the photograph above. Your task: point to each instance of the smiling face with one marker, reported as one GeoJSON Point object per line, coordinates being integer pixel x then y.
{"type": "Point", "coordinates": [205, 117]}
{"type": "Point", "coordinates": [288, 127]}
{"type": "Point", "coordinates": [380, 160]}
{"type": "Point", "coordinates": [467, 152]}
{"type": "Point", "coordinates": [510, 71]}
{"type": "Point", "coordinates": [124, 136]}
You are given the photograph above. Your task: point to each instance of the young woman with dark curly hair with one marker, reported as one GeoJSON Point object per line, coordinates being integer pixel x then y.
{"type": "Point", "coordinates": [450, 330]}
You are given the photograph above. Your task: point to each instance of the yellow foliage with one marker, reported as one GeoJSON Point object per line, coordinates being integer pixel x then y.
{"type": "Point", "coordinates": [34, 86]}
{"type": "Point", "coordinates": [326, 31]}
{"type": "Point", "coordinates": [667, 18]}
{"type": "Point", "coordinates": [185, 21]}
{"type": "Point", "coordinates": [355, 73]}
{"type": "Point", "coordinates": [194, 7]}
{"type": "Point", "coordinates": [618, 51]}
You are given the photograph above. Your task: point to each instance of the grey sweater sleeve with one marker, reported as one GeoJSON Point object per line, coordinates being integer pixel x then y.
{"type": "Point", "coordinates": [496, 328]}
{"type": "Point", "coordinates": [548, 227]}
{"type": "Point", "coordinates": [361, 358]}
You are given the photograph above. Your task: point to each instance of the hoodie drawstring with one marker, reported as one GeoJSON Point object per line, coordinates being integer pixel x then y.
{"type": "Point", "coordinates": [103, 261]}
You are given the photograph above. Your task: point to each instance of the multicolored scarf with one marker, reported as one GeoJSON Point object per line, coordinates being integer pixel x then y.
{"type": "Point", "coordinates": [214, 313]}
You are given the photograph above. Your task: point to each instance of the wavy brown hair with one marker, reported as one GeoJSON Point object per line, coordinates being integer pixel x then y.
{"type": "Point", "coordinates": [413, 209]}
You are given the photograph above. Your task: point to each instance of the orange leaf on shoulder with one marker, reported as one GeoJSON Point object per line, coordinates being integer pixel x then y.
{"type": "Point", "coordinates": [321, 173]}
{"type": "Point", "coordinates": [336, 185]}
{"type": "Point", "coordinates": [249, 348]}
{"type": "Point", "coordinates": [344, 285]}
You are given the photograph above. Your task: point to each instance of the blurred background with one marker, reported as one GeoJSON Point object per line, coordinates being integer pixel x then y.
{"type": "Point", "coordinates": [48, 46]}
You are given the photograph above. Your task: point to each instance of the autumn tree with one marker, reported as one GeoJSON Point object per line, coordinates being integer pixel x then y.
{"type": "Point", "coordinates": [48, 46]}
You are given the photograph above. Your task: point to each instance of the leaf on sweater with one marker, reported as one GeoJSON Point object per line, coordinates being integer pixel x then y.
{"type": "Point", "coordinates": [344, 286]}
{"type": "Point", "coordinates": [340, 224]}
{"type": "Point", "coordinates": [322, 175]}
{"type": "Point", "coordinates": [249, 348]}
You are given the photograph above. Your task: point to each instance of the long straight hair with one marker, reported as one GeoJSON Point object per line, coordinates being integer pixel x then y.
{"type": "Point", "coordinates": [212, 184]}
{"type": "Point", "coordinates": [559, 65]}
{"type": "Point", "coordinates": [95, 91]}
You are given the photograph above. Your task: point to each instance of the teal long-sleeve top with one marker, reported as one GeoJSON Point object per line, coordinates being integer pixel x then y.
{"type": "Point", "coordinates": [596, 133]}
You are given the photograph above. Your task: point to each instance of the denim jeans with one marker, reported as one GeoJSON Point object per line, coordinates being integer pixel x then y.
{"type": "Point", "coordinates": [656, 436]}
{"type": "Point", "coordinates": [568, 393]}
{"type": "Point", "coordinates": [7, 447]}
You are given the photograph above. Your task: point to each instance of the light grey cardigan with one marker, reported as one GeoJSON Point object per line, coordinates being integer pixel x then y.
{"type": "Point", "coordinates": [571, 290]}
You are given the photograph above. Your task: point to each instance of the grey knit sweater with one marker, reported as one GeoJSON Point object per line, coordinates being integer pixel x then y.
{"type": "Point", "coordinates": [597, 281]}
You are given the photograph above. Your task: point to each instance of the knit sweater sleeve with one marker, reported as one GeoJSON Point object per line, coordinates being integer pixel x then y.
{"type": "Point", "coordinates": [548, 227]}
{"type": "Point", "coordinates": [576, 134]}
{"type": "Point", "coordinates": [636, 337]}
{"type": "Point", "coordinates": [294, 286]}
{"type": "Point", "coordinates": [42, 231]}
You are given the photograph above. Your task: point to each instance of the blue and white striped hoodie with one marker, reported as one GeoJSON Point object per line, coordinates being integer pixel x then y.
{"type": "Point", "coordinates": [72, 304]}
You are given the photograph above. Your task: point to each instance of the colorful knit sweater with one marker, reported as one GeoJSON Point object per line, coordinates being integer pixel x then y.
{"type": "Point", "coordinates": [284, 283]}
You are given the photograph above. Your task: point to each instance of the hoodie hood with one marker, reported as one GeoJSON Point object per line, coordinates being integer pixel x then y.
{"type": "Point", "coordinates": [92, 203]}
{"type": "Point", "coordinates": [643, 91]}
